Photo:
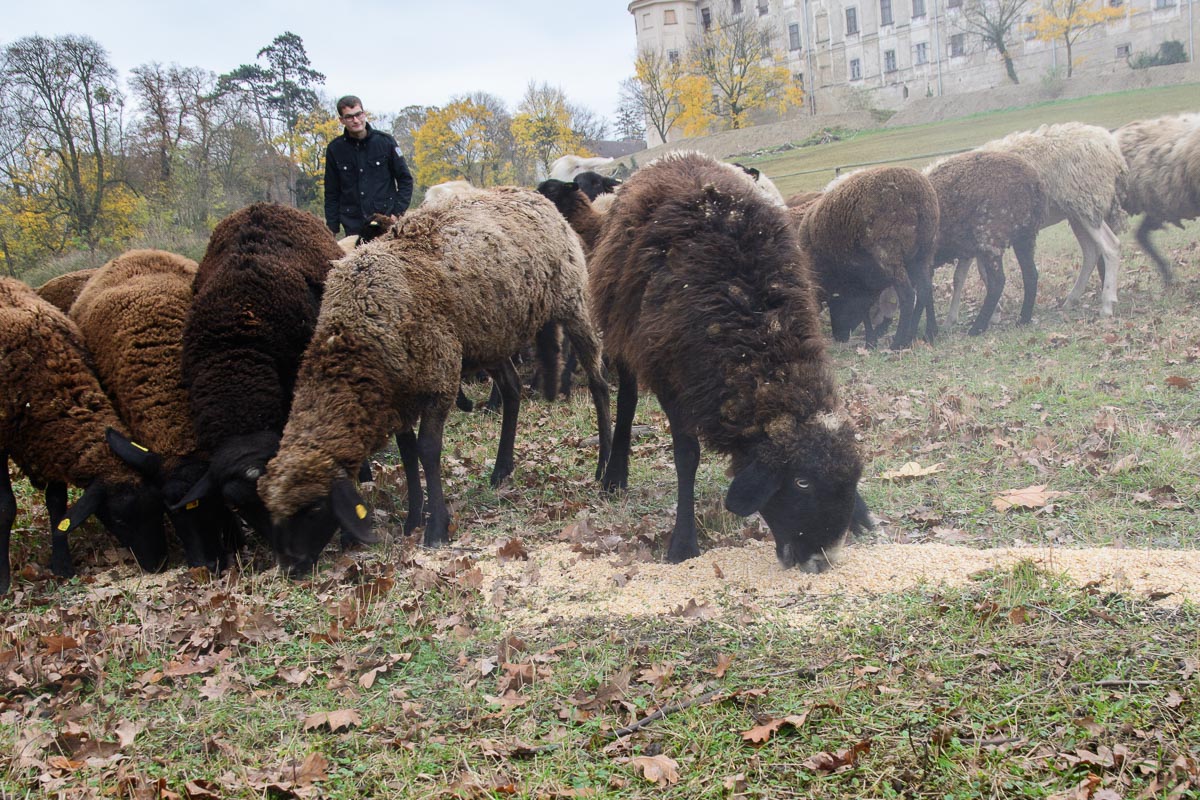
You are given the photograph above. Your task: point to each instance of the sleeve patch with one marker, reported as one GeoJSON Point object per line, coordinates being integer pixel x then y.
{"type": "Point", "coordinates": [399, 152]}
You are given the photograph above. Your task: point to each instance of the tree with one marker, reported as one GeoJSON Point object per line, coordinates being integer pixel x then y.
{"type": "Point", "coordinates": [743, 71]}
{"type": "Point", "coordinates": [164, 96]}
{"type": "Point", "coordinates": [405, 125]}
{"type": "Point", "coordinates": [630, 121]}
{"type": "Point", "coordinates": [655, 90]}
{"type": "Point", "coordinates": [542, 126]}
{"type": "Point", "coordinates": [67, 95]}
{"type": "Point", "coordinates": [468, 140]}
{"type": "Point", "coordinates": [992, 21]}
{"type": "Point", "coordinates": [1068, 20]}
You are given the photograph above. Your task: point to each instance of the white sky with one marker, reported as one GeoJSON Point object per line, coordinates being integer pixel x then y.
{"type": "Point", "coordinates": [391, 54]}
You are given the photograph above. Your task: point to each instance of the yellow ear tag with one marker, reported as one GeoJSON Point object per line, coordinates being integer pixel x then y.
{"type": "Point", "coordinates": [361, 510]}
{"type": "Point", "coordinates": [65, 525]}
{"type": "Point", "coordinates": [193, 504]}
{"type": "Point", "coordinates": [139, 447]}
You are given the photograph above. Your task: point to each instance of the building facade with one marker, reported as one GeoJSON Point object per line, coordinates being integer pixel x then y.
{"type": "Point", "coordinates": [858, 54]}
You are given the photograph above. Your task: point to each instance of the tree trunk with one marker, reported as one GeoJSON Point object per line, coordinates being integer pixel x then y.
{"type": "Point", "coordinates": [1069, 64]}
{"type": "Point", "coordinates": [1008, 65]}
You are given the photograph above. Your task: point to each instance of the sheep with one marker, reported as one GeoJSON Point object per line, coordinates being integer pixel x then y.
{"type": "Point", "coordinates": [702, 294]}
{"type": "Point", "coordinates": [870, 230]}
{"type": "Point", "coordinates": [593, 184]}
{"type": "Point", "coordinates": [1084, 176]}
{"type": "Point", "coordinates": [131, 315]}
{"type": "Point", "coordinates": [576, 207]}
{"type": "Point", "coordinates": [988, 201]}
{"type": "Point", "coordinates": [443, 192]}
{"type": "Point", "coordinates": [764, 185]}
{"type": "Point", "coordinates": [61, 291]}
{"type": "Point", "coordinates": [567, 167]}
{"type": "Point", "coordinates": [604, 202]}
{"type": "Point", "coordinates": [256, 297]}
{"type": "Point", "coordinates": [376, 226]}
{"type": "Point", "coordinates": [464, 283]}
{"type": "Point", "coordinates": [1164, 176]}
{"type": "Point", "coordinates": [53, 422]}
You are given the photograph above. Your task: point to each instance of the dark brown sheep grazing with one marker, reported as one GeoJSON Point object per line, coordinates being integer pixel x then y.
{"type": "Point", "coordinates": [131, 314]}
{"type": "Point", "coordinates": [868, 231]}
{"type": "Point", "coordinates": [702, 294]}
{"type": "Point", "coordinates": [257, 294]}
{"type": "Point", "coordinates": [462, 283]}
{"type": "Point", "coordinates": [62, 290]}
{"type": "Point", "coordinates": [988, 202]}
{"type": "Point", "coordinates": [53, 417]}
{"type": "Point", "coordinates": [575, 206]}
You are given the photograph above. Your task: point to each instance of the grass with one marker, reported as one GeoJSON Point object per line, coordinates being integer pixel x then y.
{"type": "Point", "coordinates": [395, 673]}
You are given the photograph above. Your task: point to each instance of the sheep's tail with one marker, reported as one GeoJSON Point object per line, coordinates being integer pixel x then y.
{"type": "Point", "coordinates": [549, 346]}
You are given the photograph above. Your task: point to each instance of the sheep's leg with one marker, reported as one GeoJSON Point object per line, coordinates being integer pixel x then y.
{"type": "Point", "coordinates": [1023, 246]}
{"type": "Point", "coordinates": [993, 279]}
{"type": "Point", "coordinates": [924, 302]}
{"type": "Point", "coordinates": [1144, 230]}
{"type": "Point", "coordinates": [406, 441]}
{"type": "Point", "coordinates": [585, 348]}
{"type": "Point", "coordinates": [962, 268]}
{"type": "Point", "coordinates": [1091, 254]}
{"type": "Point", "coordinates": [549, 346]}
{"type": "Point", "coordinates": [686, 449]}
{"type": "Point", "coordinates": [906, 329]}
{"type": "Point", "coordinates": [8, 515]}
{"type": "Point", "coordinates": [841, 324]}
{"type": "Point", "coordinates": [462, 402]}
{"type": "Point", "coordinates": [566, 381]}
{"type": "Point", "coordinates": [616, 475]}
{"type": "Point", "coordinates": [429, 450]}
{"type": "Point", "coordinates": [60, 549]}
{"type": "Point", "coordinates": [1110, 250]}
{"type": "Point", "coordinates": [506, 378]}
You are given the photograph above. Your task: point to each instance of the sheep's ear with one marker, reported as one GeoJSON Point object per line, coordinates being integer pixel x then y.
{"type": "Point", "coordinates": [142, 459]}
{"type": "Point", "coordinates": [84, 507]}
{"type": "Point", "coordinates": [199, 490]}
{"type": "Point", "coordinates": [351, 512]}
{"type": "Point", "coordinates": [751, 488]}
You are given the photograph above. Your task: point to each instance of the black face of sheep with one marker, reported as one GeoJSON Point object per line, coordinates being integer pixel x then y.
{"type": "Point", "coordinates": [564, 194]}
{"type": "Point", "coordinates": [299, 540]}
{"type": "Point", "coordinates": [593, 184]}
{"type": "Point", "coordinates": [233, 475]}
{"type": "Point", "coordinates": [132, 512]}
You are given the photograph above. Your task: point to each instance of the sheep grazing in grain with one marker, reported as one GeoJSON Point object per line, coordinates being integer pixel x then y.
{"type": "Point", "coordinates": [988, 201]}
{"type": "Point", "coordinates": [461, 284]}
{"type": "Point", "coordinates": [53, 421]}
{"type": "Point", "coordinates": [873, 229]}
{"type": "Point", "coordinates": [702, 294]}
{"type": "Point", "coordinates": [567, 167]}
{"type": "Point", "coordinates": [257, 294]}
{"type": "Point", "coordinates": [61, 291]}
{"type": "Point", "coordinates": [376, 226]}
{"type": "Point", "coordinates": [593, 184]}
{"type": "Point", "coordinates": [1084, 176]}
{"type": "Point", "coordinates": [1164, 176]}
{"type": "Point", "coordinates": [131, 315]}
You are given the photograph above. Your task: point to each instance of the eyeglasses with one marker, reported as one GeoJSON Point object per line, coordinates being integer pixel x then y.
{"type": "Point", "coordinates": [354, 116]}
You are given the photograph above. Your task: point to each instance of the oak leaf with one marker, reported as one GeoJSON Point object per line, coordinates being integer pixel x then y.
{"type": "Point", "coordinates": [1029, 497]}
{"type": "Point", "coordinates": [911, 469]}
{"type": "Point", "coordinates": [659, 769]}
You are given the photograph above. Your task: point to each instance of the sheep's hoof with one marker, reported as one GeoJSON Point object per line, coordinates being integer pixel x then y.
{"type": "Point", "coordinates": [498, 475]}
{"type": "Point", "coordinates": [683, 546]}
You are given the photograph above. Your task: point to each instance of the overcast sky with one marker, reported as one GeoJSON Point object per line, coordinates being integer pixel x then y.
{"type": "Point", "coordinates": [391, 54]}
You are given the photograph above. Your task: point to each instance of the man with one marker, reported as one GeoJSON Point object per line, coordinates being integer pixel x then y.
{"type": "Point", "coordinates": [365, 172]}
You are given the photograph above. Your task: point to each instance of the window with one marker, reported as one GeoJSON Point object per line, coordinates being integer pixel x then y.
{"type": "Point", "coordinates": [798, 77]}
{"type": "Point", "coordinates": [958, 44]}
{"type": "Point", "coordinates": [763, 7]}
{"type": "Point", "coordinates": [706, 19]}
{"type": "Point", "coordinates": [646, 21]}
{"type": "Point", "coordinates": [889, 60]}
{"type": "Point", "coordinates": [1030, 32]}
{"type": "Point", "coordinates": [851, 20]}
{"type": "Point", "coordinates": [954, 3]}
{"type": "Point", "coordinates": [918, 8]}
{"type": "Point", "coordinates": [794, 36]}
{"type": "Point", "coordinates": [764, 39]}
{"type": "Point", "coordinates": [669, 17]}
{"type": "Point", "coordinates": [737, 6]}
{"type": "Point", "coordinates": [855, 69]}
{"type": "Point", "coordinates": [673, 56]}
{"type": "Point", "coordinates": [885, 12]}
{"type": "Point", "coordinates": [1115, 3]}
{"type": "Point", "coordinates": [1164, 4]}
{"type": "Point", "coordinates": [921, 53]}
{"type": "Point", "coordinates": [1124, 50]}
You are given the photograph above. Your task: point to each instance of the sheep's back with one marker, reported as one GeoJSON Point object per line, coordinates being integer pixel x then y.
{"type": "Point", "coordinates": [1164, 167]}
{"type": "Point", "coordinates": [697, 284]}
{"type": "Point", "coordinates": [53, 411]}
{"type": "Point", "coordinates": [62, 290]}
{"type": "Point", "coordinates": [131, 314]}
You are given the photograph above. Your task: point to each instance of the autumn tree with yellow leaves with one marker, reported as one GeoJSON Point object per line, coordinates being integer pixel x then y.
{"type": "Point", "coordinates": [1067, 21]}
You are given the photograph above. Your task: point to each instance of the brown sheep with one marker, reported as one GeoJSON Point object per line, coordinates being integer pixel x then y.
{"type": "Point", "coordinates": [870, 230]}
{"type": "Point", "coordinates": [462, 283]}
{"type": "Point", "coordinates": [61, 291]}
{"type": "Point", "coordinates": [988, 202]}
{"type": "Point", "coordinates": [53, 422]}
{"type": "Point", "coordinates": [131, 314]}
{"type": "Point", "coordinates": [702, 294]}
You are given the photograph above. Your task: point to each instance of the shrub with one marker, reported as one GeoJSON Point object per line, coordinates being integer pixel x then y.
{"type": "Point", "coordinates": [1169, 52]}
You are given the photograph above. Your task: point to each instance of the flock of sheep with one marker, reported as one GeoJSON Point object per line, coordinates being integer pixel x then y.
{"type": "Point", "coordinates": [251, 390]}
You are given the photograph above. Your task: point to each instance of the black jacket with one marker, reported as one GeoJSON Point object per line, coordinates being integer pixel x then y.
{"type": "Point", "coordinates": [364, 177]}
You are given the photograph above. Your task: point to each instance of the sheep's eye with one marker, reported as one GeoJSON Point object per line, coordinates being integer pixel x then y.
{"type": "Point", "coordinates": [801, 484]}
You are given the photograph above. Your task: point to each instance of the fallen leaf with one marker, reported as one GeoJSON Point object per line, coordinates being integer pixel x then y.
{"type": "Point", "coordinates": [335, 721]}
{"type": "Point", "coordinates": [1177, 382]}
{"type": "Point", "coordinates": [513, 550]}
{"type": "Point", "coordinates": [659, 769]}
{"type": "Point", "coordinates": [912, 469]}
{"type": "Point", "coordinates": [1029, 497]}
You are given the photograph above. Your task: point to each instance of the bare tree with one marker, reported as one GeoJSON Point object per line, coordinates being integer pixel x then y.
{"type": "Point", "coordinates": [992, 21]}
{"type": "Point", "coordinates": [655, 90]}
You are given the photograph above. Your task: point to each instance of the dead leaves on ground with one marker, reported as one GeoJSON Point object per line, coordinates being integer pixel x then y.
{"type": "Point", "coordinates": [1029, 497]}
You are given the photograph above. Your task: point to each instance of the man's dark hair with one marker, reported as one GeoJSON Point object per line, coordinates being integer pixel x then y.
{"type": "Point", "coordinates": [349, 101]}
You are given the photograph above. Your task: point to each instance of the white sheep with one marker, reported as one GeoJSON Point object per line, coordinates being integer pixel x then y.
{"type": "Point", "coordinates": [567, 167]}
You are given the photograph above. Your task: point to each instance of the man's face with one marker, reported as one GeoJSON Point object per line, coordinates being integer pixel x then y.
{"type": "Point", "coordinates": [355, 119]}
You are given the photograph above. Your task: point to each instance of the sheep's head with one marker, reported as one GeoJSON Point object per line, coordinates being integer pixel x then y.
{"type": "Point", "coordinates": [299, 538]}
{"type": "Point", "coordinates": [132, 511]}
{"type": "Point", "coordinates": [808, 500]}
{"type": "Point", "coordinates": [232, 477]}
